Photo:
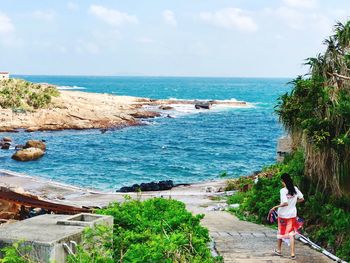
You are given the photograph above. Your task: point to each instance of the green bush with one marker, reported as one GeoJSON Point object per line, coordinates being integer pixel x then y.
{"type": "Point", "coordinates": [20, 94]}
{"type": "Point", "coordinates": [17, 253]}
{"type": "Point", "coordinates": [157, 230]}
{"type": "Point", "coordinates": [96, 246]}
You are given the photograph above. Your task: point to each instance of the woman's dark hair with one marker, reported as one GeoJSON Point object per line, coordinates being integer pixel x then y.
{"type": "Point", "coordinates": [289, 184]}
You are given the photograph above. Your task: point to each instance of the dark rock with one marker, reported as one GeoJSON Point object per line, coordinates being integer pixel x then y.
{"type": "Point", "coordinates": [145, 187]}
{"type": "Point", "coordinates": [202, 105]}
{"type": "Point", "coordinates": [152, 186]}
{"type": "Point", "coordinates": [19, 147]}
{"type": "Point", "coordinates": [166, 185]}
{"type": "Point", "coordinates": [5, 145]}
{"type": "Point", "coordinates": [145, 114]}
{"type": "Point", "coordinates": [165, 107]}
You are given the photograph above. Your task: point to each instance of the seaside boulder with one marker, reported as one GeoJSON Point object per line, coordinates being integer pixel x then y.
{"type": "Point", "coordinates": [202, 105]}
{"type": "Point", "coordinates": [145, 187]}
{"type": "Point", "coordinates": [166, 185]}
{"type": "Point", "coordinates": [5, 143]}
{"type": "Point", "coordinates": [28, 154]}
{"type": "Point", "coordinates": [36, 144]}
{"type": "Point", "coordinates": [6, 139]}
{"type": "Point", "coordinates": [145, 114]}
{"type": "Point", "coordinates": [165, 107]}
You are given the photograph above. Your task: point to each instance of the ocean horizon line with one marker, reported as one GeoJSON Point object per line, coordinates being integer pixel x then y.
{"type": "Point", "coordinates": [147, 76]}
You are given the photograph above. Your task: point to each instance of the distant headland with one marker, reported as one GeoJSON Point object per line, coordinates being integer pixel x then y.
{"type": "Point", "coordinates": [25, 106]}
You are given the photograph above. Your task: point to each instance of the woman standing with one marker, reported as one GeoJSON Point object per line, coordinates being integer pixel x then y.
{"type": "Point", "coordinates": [287, 214]}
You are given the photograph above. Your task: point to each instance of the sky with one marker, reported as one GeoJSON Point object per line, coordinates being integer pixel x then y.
{"type": "Point", "coordinates": [229, 38]}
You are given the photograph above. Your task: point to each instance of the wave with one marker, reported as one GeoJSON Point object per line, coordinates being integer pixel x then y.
{"type": "Point", "coordinates": [70, 88]}
{"type": "Point", "coordinates": [189, 109]}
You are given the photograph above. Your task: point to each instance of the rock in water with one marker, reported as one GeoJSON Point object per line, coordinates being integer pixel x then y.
{"type": "Point", "coordinates": [5, 143]}
{"type": "Point", "coordinates": [202, 105]}
{"type": "Point", "coordinates": [29, 154]}
{"type": "Point", "coordinates": [165, 107]}
{"type": "Point", "coordinates": [35, 144]}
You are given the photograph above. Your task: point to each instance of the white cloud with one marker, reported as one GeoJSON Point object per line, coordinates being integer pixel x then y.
{"type": "Point", "coordinates": [169, 17]}
{"type": "Point", "coordinates": [230, 18]}
{"type": "Point", "coordinates": [8, 36]}
{"type": "Point", "coordinates": [6, 26]}
{"type": "Point", "coordinates": [45, 15]}
{"type": "Point", "coordinates": [301, 3]}
{"type": "Point", "coordinates": [112, 17]}
{"type": "Point", "coordinates": [72, 6]}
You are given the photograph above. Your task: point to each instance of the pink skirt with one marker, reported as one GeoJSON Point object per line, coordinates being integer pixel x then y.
{"type": "Point", "coordinates": [288, 227]}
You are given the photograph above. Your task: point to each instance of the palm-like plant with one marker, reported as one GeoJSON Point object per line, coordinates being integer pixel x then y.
{"type": "Point", "coordinates": [318, 111]}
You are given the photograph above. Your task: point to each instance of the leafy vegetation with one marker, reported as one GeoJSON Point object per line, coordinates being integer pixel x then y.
{"type": "Point", "coordinates": [317, 113]}
{"type": "Point", "coordinates": [24, 95]}
{"type": "Point", "coordinates": [155, 230]}
{"type": "Point", "coordinates": [327, 217]}
{"type": "Point", "coordinates": [96, 246]}
{"type": "Point", "coordinates": [17, 253]}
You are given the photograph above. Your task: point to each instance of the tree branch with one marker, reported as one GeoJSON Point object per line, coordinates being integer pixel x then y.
{"type": "Point", "coordinates": [339, 76]}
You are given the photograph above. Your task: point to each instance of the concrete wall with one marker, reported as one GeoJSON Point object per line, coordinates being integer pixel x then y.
{"type": "Point", "coordinates": [284, 147]}
{"type": "Point", "coordinates": [48, 235]}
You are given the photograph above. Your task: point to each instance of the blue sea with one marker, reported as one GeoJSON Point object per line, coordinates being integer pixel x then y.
{"type": "Point", "coordinates": [193, 146]}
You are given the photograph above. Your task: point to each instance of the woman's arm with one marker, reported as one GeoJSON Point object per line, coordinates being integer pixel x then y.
{"type": "Point", "coordinates": [300, 200]}
{"type": "Point", "coordinates": [281, 205]}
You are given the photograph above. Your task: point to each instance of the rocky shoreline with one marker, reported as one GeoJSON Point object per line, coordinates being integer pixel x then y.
{"type": "Point", "coordinates": [82, 110]}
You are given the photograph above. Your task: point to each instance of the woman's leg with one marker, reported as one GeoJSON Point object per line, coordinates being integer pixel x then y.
{"type": "Point", "coordinates": [279, 245]}
{"type": "Point", "coordinates": [292, 246]}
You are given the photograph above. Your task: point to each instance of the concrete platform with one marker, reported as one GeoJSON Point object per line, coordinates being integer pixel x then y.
{"type": "Point", "coordinates": [49, 235]}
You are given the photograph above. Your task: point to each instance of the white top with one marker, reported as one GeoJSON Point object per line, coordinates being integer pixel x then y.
{"type": "Point", "coordinates": [289, 211]}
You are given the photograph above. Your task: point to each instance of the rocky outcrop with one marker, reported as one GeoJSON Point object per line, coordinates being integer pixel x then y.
{"type": "Point", "coordinates": [84, 110]}
{"type": "Point", "coordinates": [145, 114]}
{"type": "Point", "coordinates": [7, 139]}
{"type": "Point", "coordinates": [202, 105]}
{"type": "Point", "coordinates": [165, 107]}
{"type": "Point", "coordinates": [152, 186]}
{"type": "Point", "coordinates": [5, 143]}
{"type": "Point", "coordinates": [28, 154]}
{"type": "Point", "coordinates": [35, 144]}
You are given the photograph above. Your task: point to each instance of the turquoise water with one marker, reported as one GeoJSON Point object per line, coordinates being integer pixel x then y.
{"type": "Point", "coordinates": [191, 147]}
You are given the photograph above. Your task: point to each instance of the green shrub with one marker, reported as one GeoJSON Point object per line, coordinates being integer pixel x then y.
{"type": "Point", "coordinates": [20, 94]}
{"type": "Point", "coordinates": [157, 230]}
{"type": "Point", "coordinates": [96, 246]}
{"type": "Point", "coordinates": [17, 253]}
{"type": "Point", "coordinates": [237, 198]}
